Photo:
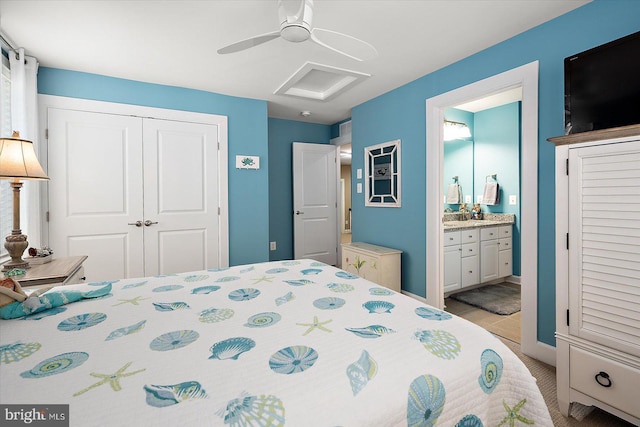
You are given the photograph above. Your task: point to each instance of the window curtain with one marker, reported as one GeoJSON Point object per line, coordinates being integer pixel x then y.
{"type": "Point", "coordinates": [24, 119]}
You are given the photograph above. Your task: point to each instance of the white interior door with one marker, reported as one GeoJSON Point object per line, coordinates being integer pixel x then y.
{"type": "Point", "coordinates": [180, 196]}
{"type": "Point", "coordinates": [315, 208]}
{"type": "Point", "coordinates": [95, 191]}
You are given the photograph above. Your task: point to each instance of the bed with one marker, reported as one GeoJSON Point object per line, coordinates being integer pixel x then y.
{"type": "Point", "coordinates": [295, 343]}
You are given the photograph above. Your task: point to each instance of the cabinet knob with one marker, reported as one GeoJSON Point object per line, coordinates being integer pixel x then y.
{"type": "Point", "coordinates": [603, 379]}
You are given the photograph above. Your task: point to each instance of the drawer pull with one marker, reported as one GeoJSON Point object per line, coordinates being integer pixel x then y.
{"type": "Point", "coordinates": [605, 381]}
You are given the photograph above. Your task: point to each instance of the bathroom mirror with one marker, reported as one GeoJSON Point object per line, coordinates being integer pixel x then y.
{"type": "Point", "coordinates": [383, 174]}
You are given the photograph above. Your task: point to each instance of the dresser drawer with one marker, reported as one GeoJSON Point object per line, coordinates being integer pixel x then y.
{"type": "Point", "coordinates": [624, 380]}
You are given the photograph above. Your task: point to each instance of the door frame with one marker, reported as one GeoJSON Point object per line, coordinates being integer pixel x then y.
{"type": "Point", "coordinates": [50, 101]}
{"type": "Point", "coordinates": [525, 76]}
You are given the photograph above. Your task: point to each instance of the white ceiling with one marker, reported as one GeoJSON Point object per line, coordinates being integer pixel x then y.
{"type": "Point", "coordinates": [175, 42]}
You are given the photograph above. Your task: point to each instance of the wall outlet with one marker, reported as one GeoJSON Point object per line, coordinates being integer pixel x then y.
{"type": "Point", "coordinates": [513, 199]}
{"type": "Point", "coordinates": [479, 199]}
{"type": "Point", "coordinates": [272, 246]}
{"type": "Point", "coordinates": [467, 198]}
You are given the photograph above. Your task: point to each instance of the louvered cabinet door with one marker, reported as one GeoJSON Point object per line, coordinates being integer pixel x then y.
{"type": "Point", "coordinates": [604, 244]}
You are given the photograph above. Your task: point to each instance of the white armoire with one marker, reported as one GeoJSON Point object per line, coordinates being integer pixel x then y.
{"type": "Point", "coordinates": [598, 270]}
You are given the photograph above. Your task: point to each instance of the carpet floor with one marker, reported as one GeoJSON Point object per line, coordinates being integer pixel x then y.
{"type": "Point", "coordinates": [582, 416]}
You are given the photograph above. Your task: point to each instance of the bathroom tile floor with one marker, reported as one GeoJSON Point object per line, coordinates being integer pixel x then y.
{"type": "Point", "coordinates": [504, 326]}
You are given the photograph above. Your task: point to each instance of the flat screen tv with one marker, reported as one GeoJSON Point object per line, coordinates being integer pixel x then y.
{"type": "Point", "coordinates": [602, 86]}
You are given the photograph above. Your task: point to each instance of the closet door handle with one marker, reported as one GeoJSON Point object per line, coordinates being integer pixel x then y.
{"type": "Point", "coordinates": [137, 223]}
{"type": "Point", "coordinates": [148, 222]}
{"type": "Point", "coordinates": [299, 213]}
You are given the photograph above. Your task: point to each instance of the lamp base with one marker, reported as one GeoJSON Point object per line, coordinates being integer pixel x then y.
{"type": "Point", "coordinates": [16, 245]}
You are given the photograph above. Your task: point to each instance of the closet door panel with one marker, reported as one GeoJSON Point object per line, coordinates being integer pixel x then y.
{"type": "Point", "coordinates": [180, 196]}
{"type": "Point", "coordinates": [95, 191]}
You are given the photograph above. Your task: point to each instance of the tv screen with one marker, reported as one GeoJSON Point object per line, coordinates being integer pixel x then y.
{"type": "Point", "coordinates": [602, 86]}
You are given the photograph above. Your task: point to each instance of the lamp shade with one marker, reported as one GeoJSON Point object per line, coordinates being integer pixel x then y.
{"type": "Point", "coordinates": [18, 159]}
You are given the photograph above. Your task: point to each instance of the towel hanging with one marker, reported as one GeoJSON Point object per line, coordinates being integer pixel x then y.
{"type": "Point", "coordinates": [454, 194]}
{"type": "Point", "coordinates": [491, 194]}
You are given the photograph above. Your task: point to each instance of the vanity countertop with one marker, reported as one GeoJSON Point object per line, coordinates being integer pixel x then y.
{"type": "Point", "coordinates": [489, 221]}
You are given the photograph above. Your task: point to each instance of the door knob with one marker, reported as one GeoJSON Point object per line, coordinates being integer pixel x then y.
{"type": "Point", "coordinates": [137, 223]}
{"type": "Point", "coordinates": [299, 213]}
{"type": "Point", "coordinates": [149, 222]}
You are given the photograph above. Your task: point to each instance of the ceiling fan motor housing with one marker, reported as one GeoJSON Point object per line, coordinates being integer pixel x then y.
{"type": "Point", "coordinates": [295, 19]}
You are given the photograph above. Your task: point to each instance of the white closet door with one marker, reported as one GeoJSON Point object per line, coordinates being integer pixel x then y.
{"type": "Point", "coordinates": [604, 244]}
{"type": "Point", "coordinates": [95, 191]}
{"type": "Point", "coordinates": [180, 196]}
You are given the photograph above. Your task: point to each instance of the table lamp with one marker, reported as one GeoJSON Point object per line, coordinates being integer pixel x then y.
{"type": "Point", "coordinates": [18, 161]}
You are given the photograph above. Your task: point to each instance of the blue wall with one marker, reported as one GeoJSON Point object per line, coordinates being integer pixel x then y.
{"type": "Point", "coordinates": [282, 135]}
{"type": "Point", "coordinates": [247, 121]}
{"type": "Point", "coordinates": [401, 114]}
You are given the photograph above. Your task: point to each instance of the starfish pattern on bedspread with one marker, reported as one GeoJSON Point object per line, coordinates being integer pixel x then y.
{"type": "Point", "coordinates": [133, 301]}
{"type": "Point", "coordinates": [112, 379]}
{"type": "Point", "coordinates": [315, 324]}
{"type": "Point", "coordinates": [262, 279]}
{"type": "Point", "coordinates": [513, 414]}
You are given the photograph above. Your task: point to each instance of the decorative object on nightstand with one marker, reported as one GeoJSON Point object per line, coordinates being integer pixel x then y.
{"type": "Point", "coordinates": [39, 256]}
{"type": "Point", "coordinates": [18, 161]}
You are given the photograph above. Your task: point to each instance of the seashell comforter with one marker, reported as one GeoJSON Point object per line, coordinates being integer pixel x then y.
{"type": "Point", "coordinates": [293, 343]}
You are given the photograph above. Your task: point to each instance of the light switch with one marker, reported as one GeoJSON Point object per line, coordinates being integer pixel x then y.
{"type": "Point", "coordinates": [513, 199]}
{"type": "Point", "coordinates": [467, 198]}
{"type": "Point", "coordinates": [359, 187]}
{"type": "Point", "coordinates": [479, 199]}
{"type": "Point", "coordinates": [359, 176]}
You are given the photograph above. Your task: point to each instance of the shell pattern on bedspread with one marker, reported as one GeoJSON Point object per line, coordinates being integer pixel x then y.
{"type": "Point", "coordinates": [10, 353]}
{"type": "Point", "coordinates": [440, 343]}
{"type": "Point", "coordinates": [491, 370]}
{"type": "Point", "coordinates": [361, 372]}
{"type": "Point", "coordinates": [372, 331]}
{"type": "Point", "coordinates": [258, 411]}
{"type": "Point", "coordinates": [167, 395]}
{"type": "Point", "coordinates": [56, 365]}
{"type": "Point", "coordinates": [293, 360]}
{"type": "Point", "coordinates": [426, 400]}
{"type": "Point", "coordinates": [432, 313]}
{"type": "Point", "coordinates": [214, 315]}
{"type": "Point", "coordinates": [127, 330]}
{"type": "Point", "coordinates": [378, 306]}
{"type": "Point", "coordinates": [262, 320]}
{"type": "Point", "coordinates": [231, 348]}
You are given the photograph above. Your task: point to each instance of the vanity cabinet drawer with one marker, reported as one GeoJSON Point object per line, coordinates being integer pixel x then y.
{"type": "Point", "coordinates": [489, 233]}
{"type": "Point", "coordinates": [505, 243]}
{"type": "Point", "coordinates": [505, 231]}
{"type": "Point", "coordinates": [586, 369]}
{"type": "Point", "coordinates": [469, 249]}
{"type": "Point", "coordinates": [451, 238]}
{"type": "Point", "coordinates": [468, 236]}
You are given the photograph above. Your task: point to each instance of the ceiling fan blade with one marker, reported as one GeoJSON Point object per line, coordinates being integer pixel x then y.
{"type": "Point", "coordinates": [248, 43]}
{"type": "Point", "coordinates": [344, 44]}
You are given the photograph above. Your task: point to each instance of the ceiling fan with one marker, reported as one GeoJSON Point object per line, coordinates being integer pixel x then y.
{"type": "Point", "coordinates": [296, 18]}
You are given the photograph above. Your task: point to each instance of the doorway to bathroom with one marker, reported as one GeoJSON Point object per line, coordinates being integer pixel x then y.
{"type": "Point", "coordinates": [482, 153]}
{"type": "Point", "coordinates": [526, 77]}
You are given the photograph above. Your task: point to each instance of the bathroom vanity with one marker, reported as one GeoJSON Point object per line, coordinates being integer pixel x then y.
{"type": "Point", "coordinates": [477, 252]}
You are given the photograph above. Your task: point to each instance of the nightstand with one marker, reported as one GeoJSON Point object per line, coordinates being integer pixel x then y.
{"type": "Point", "coordinates": [60, 271]}
{"type": "Point", "coordinates": [375, 263]}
